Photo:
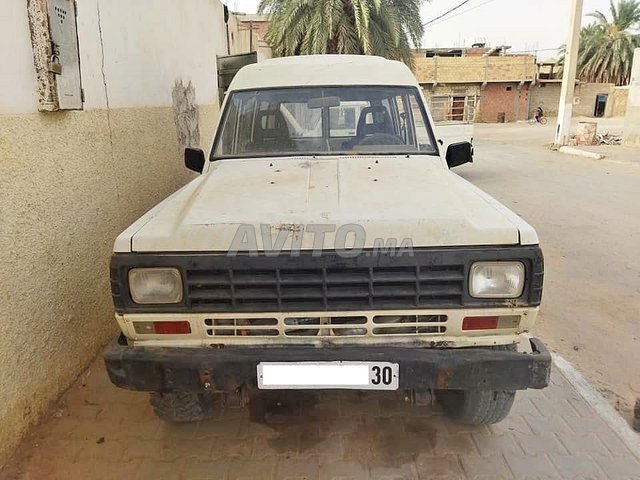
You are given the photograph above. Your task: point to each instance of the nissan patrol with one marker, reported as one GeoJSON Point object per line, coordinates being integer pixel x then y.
{"type": "Point", "coordinates": [327, 245]}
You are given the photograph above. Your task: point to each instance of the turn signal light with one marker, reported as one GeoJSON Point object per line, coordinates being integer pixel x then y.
{"type": "Point", "coordinates": [480, 323]}
{"type": "Point", "coordinates": [163, 328]}
{"type": "Point", "coordinates": [490, 323]}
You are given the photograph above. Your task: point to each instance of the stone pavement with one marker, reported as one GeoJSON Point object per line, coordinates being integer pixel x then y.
{"type": "Point", "coordinates": [100, 432]}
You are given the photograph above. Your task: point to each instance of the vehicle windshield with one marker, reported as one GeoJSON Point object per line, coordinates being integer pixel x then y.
{"type": "Point", "coordinates": [324, 120]}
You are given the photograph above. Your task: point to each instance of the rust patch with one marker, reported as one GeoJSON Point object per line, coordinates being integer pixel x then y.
{"type": "Point", "coordinates": [288, 227]}
{"type": "Point", "coordinates": [444, 375]}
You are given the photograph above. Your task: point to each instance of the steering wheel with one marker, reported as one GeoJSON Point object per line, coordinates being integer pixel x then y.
{"type": "Point", "coordinates": [381, 139]}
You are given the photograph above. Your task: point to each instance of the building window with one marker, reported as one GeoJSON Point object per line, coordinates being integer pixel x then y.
{"type": "Point", "coordinates": [509, 88]}
{"type": "Point", "coordinates": [458, 108]}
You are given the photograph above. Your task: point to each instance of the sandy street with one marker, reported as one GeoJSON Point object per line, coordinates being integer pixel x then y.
{"type": "Point", "coordinates": [587, 215]}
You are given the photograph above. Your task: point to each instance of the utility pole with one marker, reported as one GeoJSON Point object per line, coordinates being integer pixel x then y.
{"type": "Point", "coordinates": [565, 109]}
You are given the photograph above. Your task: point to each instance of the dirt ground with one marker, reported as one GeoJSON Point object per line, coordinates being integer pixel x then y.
{"type": "Point", "coordinates": [587, 215]}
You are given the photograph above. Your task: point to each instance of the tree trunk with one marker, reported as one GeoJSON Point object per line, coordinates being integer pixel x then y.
{"type": "Point", "coordinates": [332, 45]}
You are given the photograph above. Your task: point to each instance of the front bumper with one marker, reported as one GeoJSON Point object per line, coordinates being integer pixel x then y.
{"type": "Point", "coordinates": [175, 369]}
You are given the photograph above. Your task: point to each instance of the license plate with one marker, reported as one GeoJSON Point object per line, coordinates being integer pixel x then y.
{"type": "Point", "coordinates": [328, 375]}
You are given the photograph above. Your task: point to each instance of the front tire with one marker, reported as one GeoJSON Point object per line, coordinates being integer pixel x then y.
{"type": "Point", "coordinates": [476, 407]}
{"type": "Point", "coordinates": [182, 407]}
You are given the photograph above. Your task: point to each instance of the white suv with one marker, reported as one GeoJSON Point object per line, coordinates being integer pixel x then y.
{"type": "Point", "coordinates": [327, 245]}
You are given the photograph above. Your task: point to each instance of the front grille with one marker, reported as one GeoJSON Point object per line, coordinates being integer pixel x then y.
{"type": "Point", "coordinates": [329, 326]}
{"type": "Point", "coordinates": [322, 289]}
{"type": "Point", "coordinates": [428, 278]}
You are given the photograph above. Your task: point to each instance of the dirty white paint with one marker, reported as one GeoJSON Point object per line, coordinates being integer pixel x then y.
{"type": "Point", "coordinates": [435, 208]}
{"type": "Point", "coordinates": [452, 132]}
{"type": "Point", "coordinates": [453, 337]}
{"type": "Point", "coordinates": [324, 70]}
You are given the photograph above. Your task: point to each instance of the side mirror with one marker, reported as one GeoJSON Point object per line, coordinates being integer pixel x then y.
{"type": "Point", "coordinates": [194, 159]}
{"type": "Point", "coordinates": [459, 153]}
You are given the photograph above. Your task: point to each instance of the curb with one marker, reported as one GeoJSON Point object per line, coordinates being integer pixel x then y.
{"type": "Point", "coordinates": [602, 407]}
{"type": "Point", "coordinates": [581, 153]}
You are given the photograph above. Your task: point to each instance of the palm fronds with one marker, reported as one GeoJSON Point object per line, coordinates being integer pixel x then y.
{"type": "Point", "coordinates": [388, 28]}
{"type": "Point", "coordinates": [606, 46]}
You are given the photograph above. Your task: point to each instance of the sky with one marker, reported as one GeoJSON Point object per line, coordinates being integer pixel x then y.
{"type": "Point", "coordinates": [540, 25]}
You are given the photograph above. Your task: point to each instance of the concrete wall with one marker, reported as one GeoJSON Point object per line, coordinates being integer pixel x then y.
{"type": "Point", "coordinates": [545, 95]}
{"type": "Point", "coordinates": [452, 89]}
{"type": "Point", "coordinates": [620, 95]}
{"type": "Point", "coordinates": [585, 98]}
{"type": "Point", "coordinates": [632, 118]}
{"type": "Point", "coordinates": [548, 96]}
{"type": "Point", "coordinates": [71, 181]}
{"type": "Point", "coordinates": [246, 33]}
{"type": "Point", "coordinates": [508, 68]}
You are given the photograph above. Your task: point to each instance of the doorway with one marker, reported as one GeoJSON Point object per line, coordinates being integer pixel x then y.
{"type": "Point", "coordinates": [457, 108]}
{"type": "Point", "coordinates": [601, 105]}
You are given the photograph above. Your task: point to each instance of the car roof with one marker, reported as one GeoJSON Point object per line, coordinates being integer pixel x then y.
{"type": "Point", "coordinates": [325, 70]}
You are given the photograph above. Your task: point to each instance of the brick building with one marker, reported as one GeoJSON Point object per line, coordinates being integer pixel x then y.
{"type": "Point", "coordinates": [478, 83]}
{"type": "Point", "coordinates": [590, 99]}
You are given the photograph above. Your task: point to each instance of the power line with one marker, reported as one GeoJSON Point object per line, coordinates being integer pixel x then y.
{"type": "Point", "coordinates": [446, 13]}
{"type": "Point", "coordinates": [534, 50]}
{"type": "Point", "coordinates": [457, 14]}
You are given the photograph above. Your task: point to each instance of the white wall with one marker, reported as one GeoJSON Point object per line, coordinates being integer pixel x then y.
{"type": "Point", "coordinates": [147, 45]}
{"type": "Point", "coordinates": [151, 36]}
{"type": "Point", "coordinates": [18, 76]}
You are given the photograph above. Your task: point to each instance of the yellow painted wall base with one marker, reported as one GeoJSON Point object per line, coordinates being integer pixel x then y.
{"type": "Point", "coordinates": [69, 183]}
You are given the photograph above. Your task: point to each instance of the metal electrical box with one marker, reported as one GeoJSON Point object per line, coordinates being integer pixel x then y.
{"type": "Point", "coordinates": [65, 61]}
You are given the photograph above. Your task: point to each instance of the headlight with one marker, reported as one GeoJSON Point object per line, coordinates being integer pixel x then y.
{"type": "Point", "coordinates": [155, 285]}
{"type": "Point", "coordinates": [496, 279]}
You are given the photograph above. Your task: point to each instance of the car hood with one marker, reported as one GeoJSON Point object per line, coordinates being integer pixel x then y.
{"type": "Point", "coordinates": [249, 202]}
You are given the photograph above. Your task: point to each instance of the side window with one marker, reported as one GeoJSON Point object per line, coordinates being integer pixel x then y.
{"type": "Point", "coordinates": [391, 113]}
{"type": "Point", "coordinates": [403, 119]}
{"type": "Point", "coordinates": [230, 129]}
{"type": "Point", "coordinates": [237, 132]}
{"type": "Point", "coordinates": [422, 133]}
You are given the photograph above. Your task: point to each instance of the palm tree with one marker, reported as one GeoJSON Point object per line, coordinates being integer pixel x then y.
{"type": "Point", "coordinates": [606, 47]}
{"type": "Point", "coordinates": [367, 27]}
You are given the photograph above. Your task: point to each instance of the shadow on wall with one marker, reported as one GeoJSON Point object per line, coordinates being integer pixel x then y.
{"type": "Point", "coordinates": [186, 114]}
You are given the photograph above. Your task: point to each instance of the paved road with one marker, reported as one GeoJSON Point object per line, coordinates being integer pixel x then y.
{"type": "Point", "coordinates": [587, 215]}
{"type": "Point", "coordinates": [100, 432]}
